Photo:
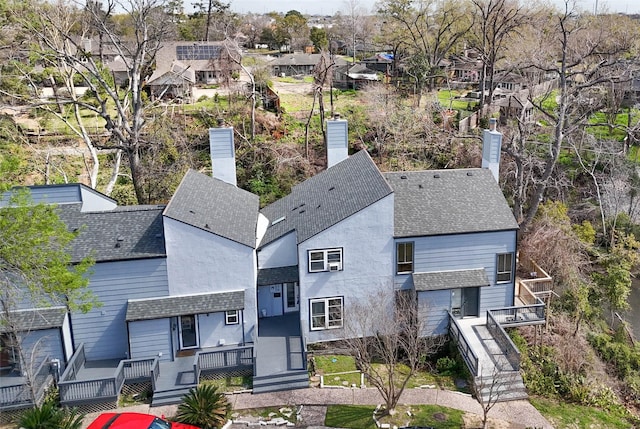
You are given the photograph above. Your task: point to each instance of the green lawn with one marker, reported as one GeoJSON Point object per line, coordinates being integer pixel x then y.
{"type": "Point", "coordinates": [360, 417]}
{"type": "Point", "coordinates": [446, 98]}
{"type": "Point", "coordinates": [564, 415]}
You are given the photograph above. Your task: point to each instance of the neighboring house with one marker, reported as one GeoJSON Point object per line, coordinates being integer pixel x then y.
{"type": "Point", "coordinates": [354, 76]}
{"type": "Point", "coordinates": [213, 279]}
{"type": "Point", "coordinates": [509, 82]}
{"type": "Point", "coordinates": [298, 64]}
{"type": "Point", "coordinates": [209, 61]}
{"type": "Point", "coordinates": [515, 107]}
{"type": "Point", "coordinates": [175, 82]}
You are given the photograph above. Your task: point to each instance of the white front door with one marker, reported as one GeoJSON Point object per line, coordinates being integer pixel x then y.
{"type": "Point", "coordinates": [188, 332]}
{"type": "Point", "coordinates": [291, 297]}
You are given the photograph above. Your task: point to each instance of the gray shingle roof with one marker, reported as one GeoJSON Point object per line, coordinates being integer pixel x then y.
{"type": "Point", "coordinates": [450, 279]}
{"type": "Point", "coordinates": [36, 319]}
{"type": "Point", "coordinates": [132, 232]}
{"type": "Point", "coordinates": [215, 206]}
{"type": "Point", "coordinates": [326, 199]}
{"type": "Point", "coordinates": [172, 306]}
{"type": "Point", "coordinates": [438, 202]}
{"type": "Point", "coordinates": [272, 276]}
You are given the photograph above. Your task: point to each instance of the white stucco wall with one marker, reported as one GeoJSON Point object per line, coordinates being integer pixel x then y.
{"type": "Point", "coordinates": [201, 262]}
{"type": "Point", "coordinates": [280, 253]}
{"type": "Point", "coordinates": [213, 330]}
{"type": "Point", "coordinates": [368, 258]}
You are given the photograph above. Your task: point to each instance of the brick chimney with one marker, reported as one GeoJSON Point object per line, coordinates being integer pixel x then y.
{"type": "Point", "coordinates": [223, 155]}
{"type": "Point", "coordinates": [337, 140]}
{"type": "Point", "coordinates": [491, 143]}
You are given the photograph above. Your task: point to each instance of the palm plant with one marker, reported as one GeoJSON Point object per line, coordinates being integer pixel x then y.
{"type": "Point", "coordinates": [50, 416]}
{"type": "Point", "coordinates": [205, 407]}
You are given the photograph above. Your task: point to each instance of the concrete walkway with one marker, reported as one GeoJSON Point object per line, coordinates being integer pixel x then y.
{"type": "Point", "coordinates": [520, 414]}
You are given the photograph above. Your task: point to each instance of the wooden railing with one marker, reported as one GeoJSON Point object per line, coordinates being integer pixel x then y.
{"type": "Point", "coordinates": [537, 281]}
{"type": "Point", "coordinates": [463, 345]}
{"type": "Point", "coordinates": [155, 373]}
{"type": "Point", "coordinates": [223, 359]}
{"type": "Point", "coordinates": [506, 345]}
{"type": "Point", "coordinates": [103, 389]}
{"type": "Point", "coordinates": [75, 391]}
{"type": "Point", "coordinates": [75, 363]}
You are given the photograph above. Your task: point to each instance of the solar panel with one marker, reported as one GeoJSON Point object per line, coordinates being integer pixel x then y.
{"type": "Point", "coordinates": [197, 52]}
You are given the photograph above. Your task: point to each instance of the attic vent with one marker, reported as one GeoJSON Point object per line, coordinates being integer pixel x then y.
{"type": "Point", "coordinates": [192, 212]}
{"type": "Point", "coordinates": [301, 211]}
{"type": "Point", "coordinates": [280, 219]}
{"type": "Point", "coordinates": [403, 177]}
{"type": "Point", "coordinates": [332, 188]}
{"type": "Point", "coordinates": [420, 186]}
{"type": "Point", "coordinates": [294, 209]}
{"type": "Point", "coordinates": [119, 241]}
{"type": "Point", "coordinates": [120, 238]}
{"type": "Point", "coordinates": [469, 173]}
{"type": "Point", "coordinates": [436, 176]}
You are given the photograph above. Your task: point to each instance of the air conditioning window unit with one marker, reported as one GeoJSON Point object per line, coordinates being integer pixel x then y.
{"type": "Point", "coordinates": [335, 266]}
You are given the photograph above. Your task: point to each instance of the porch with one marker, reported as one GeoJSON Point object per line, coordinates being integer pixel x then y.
{"type": "Point", "coordinates": [98, 384]}
{"type": "Point", "coordinates": [14, 391]}
{"type": "Point", "coordinates": [281, 362]}
{"type": "Point", "coordinates": [491, 356]}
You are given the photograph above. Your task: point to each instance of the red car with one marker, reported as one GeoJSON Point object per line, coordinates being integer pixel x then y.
{"type": "Point", "coordinates": [134, 421]}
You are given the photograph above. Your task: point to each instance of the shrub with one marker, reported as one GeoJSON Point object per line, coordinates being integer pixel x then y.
{"type": "Point", "coordinates": [204, 407]}
{"type": "Point", "coordinates": [446, 365]}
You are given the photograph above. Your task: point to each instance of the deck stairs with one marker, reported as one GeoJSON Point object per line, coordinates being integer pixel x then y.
{"type": "Point", "coordinates": [281, 363]}
{"type": "Point", "coordinates": [175, 381]}
{"type": "Point", "coordinates": [502, 386]}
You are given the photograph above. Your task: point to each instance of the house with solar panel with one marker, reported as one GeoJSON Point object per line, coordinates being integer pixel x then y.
{"type": "Point", "coordinates": [212, 285]}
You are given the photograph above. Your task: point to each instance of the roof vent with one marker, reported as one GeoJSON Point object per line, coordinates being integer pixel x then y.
{"type": "Point", "coordinates": [332, 188]}
{"type": "Point", "coordinates": [206, 225]}
{"type": "Point", "coordinates": [420, 186]}
{"type": "Point", "coordinates": [469, 173]}
{"type": "Point", "coordinates": [436, 176]}
{"type": "Point", "coordinates": [280, 219]}
{"type": "Point", "coordinates": [301, 211]}
{"type": "Point", "coordinates": [120, 238]}
{"type": "Point", "coordinates": [192, 212]}
{"type": "Point", "coordinates": [403, 176]}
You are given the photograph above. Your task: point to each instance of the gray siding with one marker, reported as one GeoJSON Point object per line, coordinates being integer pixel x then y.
{"type": "Point", "coordinates": [37, 345]}
{"type": "Point", "coordinates": [150, 339]}
{"type": "Point", "coordinates": [434, 307]}
{"type": "Point", "coordinates": [465, 251]}
{"type": "Point", "coordinates": [56, 194]}
{"type": "Point", "coordinates": [103, 330]}
{"type": "Point", "coordinates": [213, 331]}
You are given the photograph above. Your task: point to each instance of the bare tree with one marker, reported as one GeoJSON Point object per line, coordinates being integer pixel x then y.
{"type": "Point", "coordinates": [492, 388]}
{"type": "Point", "coordinates": [431, 29]}
{"type": "Point", "coordinates": [322, 77]}
{"type": "Point", "coordinates": [583, 53]}
{"type": "Point", "coordinates": [496, 21]}
{"type": "Point", "coordinates": [384, 332]}
{"type": "Point", "coordinates": [122, 109]}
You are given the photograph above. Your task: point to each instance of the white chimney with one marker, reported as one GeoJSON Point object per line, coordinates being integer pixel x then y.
{"type": "Point", "coordinates": [337, 140]}
{"type": "Point", "coordinates": [491, 143]}
{"type": "Point", "coordinates": [223, 155]}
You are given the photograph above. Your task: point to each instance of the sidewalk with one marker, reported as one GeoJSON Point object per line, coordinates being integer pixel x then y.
{"type": "Point", "coordinates": [520, 414]}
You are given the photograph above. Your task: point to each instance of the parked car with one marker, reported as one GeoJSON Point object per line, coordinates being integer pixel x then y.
{"type": "Point", "coordinates": [134, 421]}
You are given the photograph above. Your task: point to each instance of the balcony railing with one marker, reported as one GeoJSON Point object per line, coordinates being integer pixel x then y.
{"type": "Point", "coordinates": [507, 346]}
{"type": "Point", "coordinates": [532, 280]}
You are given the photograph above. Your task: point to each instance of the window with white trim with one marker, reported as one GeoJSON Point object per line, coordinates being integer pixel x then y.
{"type": "Point", "coordinates": [326, 313]}
{"type": "Point", "coordinates": [325, 260]}
{"type": "Point", "coordinates": [504, 268]}
{"type": "Point", "coordinates": [404, 257]}
{"type": "Point", "coordinates": [231, 317]}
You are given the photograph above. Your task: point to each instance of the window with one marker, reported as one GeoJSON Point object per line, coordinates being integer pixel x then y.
{"type": "Point", "coordinates": [325, 260]}
{"type": "Point", "coordinates": [231, 317]}
{"type": "Point", "coordinates": [504, 269]}
{"type": "Point", "coordinates": [326, 313]}
{"type": "Point", "coordinates": [404, 257]}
